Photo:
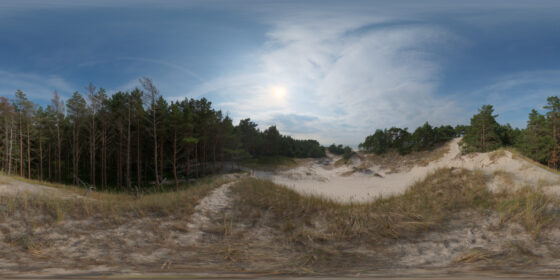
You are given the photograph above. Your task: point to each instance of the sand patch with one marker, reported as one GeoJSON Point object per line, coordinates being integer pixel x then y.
{"type": "Point", "coordinates": [363, 179]}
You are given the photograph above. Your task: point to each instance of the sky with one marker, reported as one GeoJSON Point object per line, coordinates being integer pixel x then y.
{"type": "Point", "coordinates": [334, 71]}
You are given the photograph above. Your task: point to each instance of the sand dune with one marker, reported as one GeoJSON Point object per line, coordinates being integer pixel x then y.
{"type": "Point", "coordinates": [363, 179]}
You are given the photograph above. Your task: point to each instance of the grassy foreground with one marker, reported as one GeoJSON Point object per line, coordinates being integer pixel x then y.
{"type": "Point", "coordinates": [112, 207]}
{"type": "Point", "coordinates": [425, 206]}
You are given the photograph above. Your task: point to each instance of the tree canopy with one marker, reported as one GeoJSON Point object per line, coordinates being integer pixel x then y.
{"type": "Point", "coordinates": [129, 140]}
{"type": "Point", "coordinates": [483, 133]}
{"type": "Point", "coordinates": [425, 137]}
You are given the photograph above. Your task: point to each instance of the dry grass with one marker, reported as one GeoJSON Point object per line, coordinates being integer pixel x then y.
{"type": "Point", "coordinates": [530, 207]}
{"type": "Point", "coordinates": [506, 177]}
{"type": "Point", "coordinates": [495, 155]}
{"type": "Point", "coordinates": [340, 162]}
{"type": "Point", "coordinates": [115, 207]}
{"type": "Point", "coordinates": [425, 205]}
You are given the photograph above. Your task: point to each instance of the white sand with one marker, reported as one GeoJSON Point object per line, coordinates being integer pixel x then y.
{"type": "Point", "coordinates": [327, 180]}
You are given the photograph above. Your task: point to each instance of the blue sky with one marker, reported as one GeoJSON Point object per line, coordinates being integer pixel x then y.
{"type": "Point", "coordinates": [340, 69]}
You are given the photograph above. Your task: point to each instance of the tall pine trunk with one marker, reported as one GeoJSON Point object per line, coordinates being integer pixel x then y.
{"type": "Point", "coordinates": [161, 158]}
{"type": "Point", "coordinates": [20, 147]}
{"type": "Point", "coordinates": [28, 153]}
{"type": "Point", "coordinates": [155, 140]}
{"type": "Point", "coordinates": [138, 155]}
{"type": "Point", "coordinates": [119, 158]}
{"type": "Point", "coordinates": [75, 156]}
{"type": "Point", "coordinates": [49, 165]}
{"type": "Point", "coordinates": [196, 158]}
{"type": "Point", "coordinates": [214, 155]}
{"type": "Point", "coordinates": [175, 159]}
{"type": "Point", "coordinates": [188, 167]}
{"type": "Point", "coordinates": [204, 158]}
{"type": "Point", "coordinates": [92, 149]}
{"type": "Point", "coordinates": [128, 182]}
{"type": "Point", "coordinates": [104, 157]}
{"type": "Point", "coordinates": [59, 151]}
{"type": "Point", "coordinates": [10, 148]}
{"type": "Point", "coordinates": [40, 155]}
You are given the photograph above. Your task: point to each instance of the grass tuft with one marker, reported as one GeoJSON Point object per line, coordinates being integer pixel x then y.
{"type": "Point", "coordinates": [530, 207]}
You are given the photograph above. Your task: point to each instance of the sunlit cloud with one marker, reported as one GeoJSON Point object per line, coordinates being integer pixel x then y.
{"type": "Point", "coordinates": [349, 75]}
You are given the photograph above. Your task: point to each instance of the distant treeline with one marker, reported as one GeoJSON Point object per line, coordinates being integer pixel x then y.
{"type": "Point", "coordinates": [128, 139]}
{"type": "Point", "coordinates": [539, 140]}
{"type": "Point", "coordinates": [346, 151]}
{"type": "Point", "coordinates": [423, 138]}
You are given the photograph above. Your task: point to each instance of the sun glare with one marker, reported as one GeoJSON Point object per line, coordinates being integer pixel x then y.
{"type": "Point", "coordinates": [279, 92]}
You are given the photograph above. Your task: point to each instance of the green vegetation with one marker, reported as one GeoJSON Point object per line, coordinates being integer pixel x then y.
{"type": "Point", "coordinates": [346, 152]}
{"type": "Point", "coordinates": [485, 134]}
{"type": "Point", "coordinates": [270, 163]}
{"type": "Point", "coordinates": [539, 141]}
{"type": "Point", "coordinates": [336, 149]}
{"type": "Point", "coordinates": [130, 140]}
{"type": "Point", "coordinates": [424, 138]}
{"type": "Point", "coordinates": [271, 143]}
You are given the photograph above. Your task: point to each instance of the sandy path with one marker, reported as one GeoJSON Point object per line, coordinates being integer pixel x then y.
{"type": "Point", "coordinates": [329, 181]}
{"type": "Point", "coordinates": [210, 206]}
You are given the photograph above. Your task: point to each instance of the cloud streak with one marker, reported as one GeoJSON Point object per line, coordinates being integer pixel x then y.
{"type": "Point", "coordinates": [348, 74]}
{"type": "Point", "coordinates": [37, 88]}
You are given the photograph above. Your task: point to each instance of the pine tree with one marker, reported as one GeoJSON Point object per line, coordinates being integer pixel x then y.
{"type": "Point", "coordinates": [58, 110]}
{"type": "Point", "coordinates": [536, 140]}
{"type": "Point", "coordinates": [553, 114]}
{"type": "Point", "coordinates": [77, 114]}
{"type": "Point", "coordinates": [482, 135]}
{"type": "Point", "coordinates": [153, 93]}
{"type": "Point", "coordinates": [175, 121]}
{"type": "Point", "coordinates": [93, 108]}
{"type": "Point", "coordinates": [25, 109]}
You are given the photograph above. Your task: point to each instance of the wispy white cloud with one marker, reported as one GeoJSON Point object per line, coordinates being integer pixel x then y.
{"type": "Point", "coordinates": [38, 88]}
{"type": "Point", "coordinates": [350, 74]}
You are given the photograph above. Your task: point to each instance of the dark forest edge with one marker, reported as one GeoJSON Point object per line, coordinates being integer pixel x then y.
{"type": "Point", "coordinates": [131, 140]}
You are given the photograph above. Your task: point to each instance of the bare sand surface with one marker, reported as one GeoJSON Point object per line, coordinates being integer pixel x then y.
{"type": "Point", "coordinates": [363, 180]}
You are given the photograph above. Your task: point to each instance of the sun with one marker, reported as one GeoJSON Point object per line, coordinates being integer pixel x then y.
{"type": "Point", "coordinates": [279, 92]}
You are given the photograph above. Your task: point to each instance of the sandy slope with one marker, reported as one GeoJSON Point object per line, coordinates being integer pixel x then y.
{"type": "Point", "coordinates": [323, 178]}
{"type": "Point", "coordinates": [10, 186]}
